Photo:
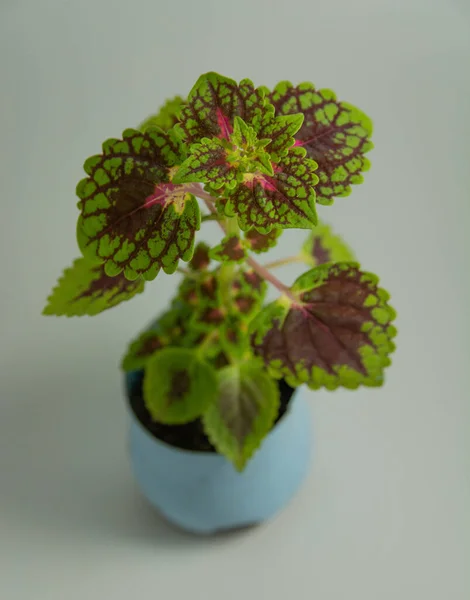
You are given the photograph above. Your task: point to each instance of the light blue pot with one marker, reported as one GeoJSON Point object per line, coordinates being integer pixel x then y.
{"type": "Point", "coordinates": [201, 492]}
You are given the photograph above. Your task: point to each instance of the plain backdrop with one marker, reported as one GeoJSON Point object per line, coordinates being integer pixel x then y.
{"type": "Point", "coordinates": [385, 511]}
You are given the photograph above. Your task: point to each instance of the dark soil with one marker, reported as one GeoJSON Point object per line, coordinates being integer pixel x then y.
{"type": "Point", "coordinates": [189, 436]}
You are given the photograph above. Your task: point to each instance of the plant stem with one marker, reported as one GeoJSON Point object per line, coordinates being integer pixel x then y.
{"type": "Point", "coordinates": [197, 190]}
{"type": "Point", "coordinates": [283, 261]}
{"type": "Point", "coordinates": [273, 280]}
{"type": "Point", "coordinates": [211, 217]}
{"type": "Point", "coordinates": [212, 208]}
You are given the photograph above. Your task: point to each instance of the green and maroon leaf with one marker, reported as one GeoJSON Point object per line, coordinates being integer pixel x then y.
{"type": "Point", "coordinates": [203, 295]}
{"type": "Point", "coordinates": [201, 259]}
{"type": "Point", "coordinates": [133, 218]}
{"type": "Point", "coordinates": [259, 242]}
{"type": "Point", "coordinates": [340, 333]}
{"type": "Point", "coordinates": [208, 290]}
{"type": "Point", "coordinates": [188, 292]}
{"type": "Point", "coordinates": [170, 329]}
{"type": "Point", "coordinates": [248, 293]}
{"type": "Point", "coordinates": [249, 281]}
{"type": "Point", "coordinates": [166, 117]}
{"type": "Point", "coordinates": [243, 413]}
{"type": "Point", "coordinates": [286, 200]}
{"type": "Point", "coordinates": [178, 386]}
{"type": "Point", "coordinates": [85, 289]}
{"type": "Point", "coordinates": [209, 308]}
{"type": "Point", "coordinates": [141, 350]}
{"type": "Point", "coordinates": [230, 250]}
{"type": "Point", "coordinates": [280, 131]}
{"type": "Point", "coordinates": [208, 162]}
{"type": "Point", "coordinates": [335, 135]}
{"type": "Point", "coordinates": [213, 104]}
{"type": "Point", "coordinates": [234, 338]}
{"type": "Point", "coordinates": [323, 246]}
{"type": "Point", "coordinates": [207, 318]}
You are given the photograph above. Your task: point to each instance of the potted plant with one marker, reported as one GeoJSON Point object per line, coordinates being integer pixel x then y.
{"type": "Point", "coordinates": [219, 437]}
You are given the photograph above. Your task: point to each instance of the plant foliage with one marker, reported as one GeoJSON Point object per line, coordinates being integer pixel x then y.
{"type": "Point", "coordinates": [255, 161]}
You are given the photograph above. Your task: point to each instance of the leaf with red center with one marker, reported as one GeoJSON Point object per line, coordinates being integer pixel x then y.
{"type": "Point", "coordinates": [230, 250]}
{"type": "Point", "coordinates": [259, 242]}
{"type": "Point", "coordinates": [166, 117]}
{"type": "Point", "coordinates": [340, 334]}
{"type": "Point", "coordinates": [243, 412]}
{"type": "Point", "coordinates": [209, 163]}
{"type": "Point", "coordinates": [168, 330]}
{"type": "Point", "coordinates": [201, 259]}
{"type": "Point", "coordinates": [213, 104]}
{"type": "Point", "coordinates": [323, 246]}
{"type": "Point", "coordinates": [335, 135]}
{"type": "Point", "coordinates": [285, 200]}
{"type": "Point", "coordinates": [85, 289]}
{"type": "Point", "coordinates": [132, 217]}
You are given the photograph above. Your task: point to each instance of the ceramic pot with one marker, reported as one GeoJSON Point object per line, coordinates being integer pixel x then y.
{"type": "Point", "coordinates": [201, 492]}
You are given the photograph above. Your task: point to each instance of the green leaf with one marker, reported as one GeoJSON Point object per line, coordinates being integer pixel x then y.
{"type": "Point", "coordinates": [132, 217]}
{"type": "Point", "coordinates": [230, 250]}
{"type": "Point", "coordinates": [244, 412]}
{"type": "Point", "coordinates": [141, 350]}
{"type": "Point", "coordinates": [340, 333]}
{"type": "Point", "coordinates": [170, 329]}
{"type": "Point", "coordinates": [213, 104]}
{"type": "Point", "coordinates": [259, 242]}
{"type": "Point", "coordinates": [178, 386]}
{"type": "Point", "coordinates": [334, 134]}
{"type": "Point", "coordinates": [286, 200]}
{"type": "Point", "coordinates": [323, 246]}
{"type": "Point", "coordinates": [166, 117]}
{"type": "Point", "coordinates": [85, 289]}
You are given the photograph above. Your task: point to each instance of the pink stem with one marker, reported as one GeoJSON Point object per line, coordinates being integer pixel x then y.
{"type": "Point", "coordinates": [273, 280]}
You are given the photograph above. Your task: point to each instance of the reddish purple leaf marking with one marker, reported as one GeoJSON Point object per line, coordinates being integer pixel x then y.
{"type": "Point", "coordinates": [149, 346]}
{"type": "Point", "coordinates": [320, 253]}
{"type": "Point", "coordinates": [225, 126]}
{"type": "Point", "coordinates": [104, 284]}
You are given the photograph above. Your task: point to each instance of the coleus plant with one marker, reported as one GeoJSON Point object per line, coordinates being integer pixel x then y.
{"type": "Point", "coordinates": [257, 161]}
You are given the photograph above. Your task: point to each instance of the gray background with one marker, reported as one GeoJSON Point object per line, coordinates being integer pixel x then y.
{"type": "Point", "coordinates": [384, 514]}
